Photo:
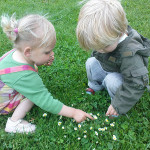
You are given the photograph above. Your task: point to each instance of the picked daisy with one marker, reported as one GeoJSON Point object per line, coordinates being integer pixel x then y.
{"type": "Point", "coordinates": [59, 123]}
{"type": "Point", "coordinates": [45, 114]}
{"type": "Point", "coordinates": [114, 137]}
{"type": "Point", "coordinates": [87, 119]}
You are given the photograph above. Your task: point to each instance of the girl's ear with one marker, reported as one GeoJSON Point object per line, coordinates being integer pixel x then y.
{"type": "Point", "coordinates": [27, 51]}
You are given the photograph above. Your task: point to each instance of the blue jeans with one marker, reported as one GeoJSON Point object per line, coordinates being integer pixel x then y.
{"type": "Point", "coordinates": [99, 78]}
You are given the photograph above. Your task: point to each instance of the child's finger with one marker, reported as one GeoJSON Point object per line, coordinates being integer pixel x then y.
{"type": "Point", "coordinates": [108, 112]}
{"type": "Point", "coordinates": [89, 116]}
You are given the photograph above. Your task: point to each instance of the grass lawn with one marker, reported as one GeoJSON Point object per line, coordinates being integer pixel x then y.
{"type": "Point", "coordinates": [66, 80]}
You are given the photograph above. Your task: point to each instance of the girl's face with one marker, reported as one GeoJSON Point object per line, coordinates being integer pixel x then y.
{"type": "Point", "coordinates": [41, 56]}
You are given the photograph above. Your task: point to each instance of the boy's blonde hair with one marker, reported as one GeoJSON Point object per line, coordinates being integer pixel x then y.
{"type": "Point", "coordinates": [32, 30]}
{"type": "Point", "coordinates": [100, 24]}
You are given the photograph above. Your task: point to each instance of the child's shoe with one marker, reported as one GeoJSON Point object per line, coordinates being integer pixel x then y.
{"type": "Point", "coordinates": [90, 91]}
{"type": "Point", "coordinates": [18, 127]}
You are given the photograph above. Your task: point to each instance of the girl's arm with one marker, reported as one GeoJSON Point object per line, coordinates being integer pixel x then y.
{"type": "Point", "coordinates": [77, 114]}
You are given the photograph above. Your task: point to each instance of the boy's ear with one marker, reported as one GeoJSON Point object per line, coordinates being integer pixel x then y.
{"type": "Point", "coordinates": [27, 51]}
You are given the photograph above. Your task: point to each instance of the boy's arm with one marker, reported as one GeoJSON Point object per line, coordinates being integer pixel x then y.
{"type": "Point", "coordinates": [77, 114]}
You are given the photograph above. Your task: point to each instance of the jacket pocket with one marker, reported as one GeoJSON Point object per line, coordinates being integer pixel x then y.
{"type": "Point", "coordinates": [140, 77]}
{"type": "Point", "coordinates": [139, 72]}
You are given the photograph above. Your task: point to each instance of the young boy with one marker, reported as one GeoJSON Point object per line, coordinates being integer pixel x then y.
{"type": "Point", "coordinates": [120, 57]}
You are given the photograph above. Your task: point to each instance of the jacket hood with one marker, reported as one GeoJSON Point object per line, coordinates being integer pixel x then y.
{"type": "Point", "coordinates": [141, 44]}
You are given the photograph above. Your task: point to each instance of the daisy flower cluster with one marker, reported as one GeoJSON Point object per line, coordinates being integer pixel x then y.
{"type": "Point", "coordinates": [95, 131]}
{"type": "Point", "coordinates": [98, 128]}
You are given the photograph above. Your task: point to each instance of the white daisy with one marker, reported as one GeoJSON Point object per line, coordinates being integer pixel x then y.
{"type": "Point", "coordinates": [79, 125]}
{"type": "Point", "coordinates": [96, 133]}
{"type": "Point", "coordinates": [84, 131]}
{"type": "Point", "coordinates": [112, 124]}
{"type": "Point", "coordinates": [59, 123]}
{"type": "Point", "coordinates": [91, 128]}
{"type": "Point", "coordinates": [45, 114]}
{"type": "Point", "coordinates": [114, 137]}
{"type": "Point", "coordinates": [106, 120]}
{"type": "Point", "coordinates": [95, 117]}
{"type": "Point", "coordinates": [75, 128]}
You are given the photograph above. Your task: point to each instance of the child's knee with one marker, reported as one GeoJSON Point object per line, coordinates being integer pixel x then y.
{"type": "Point", "coordinates": [90, 62]}
{"type": "Point", "coordinates": [112, 82]}
{"type": "Point", "coordinates": [27, 103]}
{"type": "Point", "coordinates": [108, 82]}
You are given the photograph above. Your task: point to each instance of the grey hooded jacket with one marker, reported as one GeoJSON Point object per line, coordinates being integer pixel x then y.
{"type": "Point", "coordinates": [130, 58]}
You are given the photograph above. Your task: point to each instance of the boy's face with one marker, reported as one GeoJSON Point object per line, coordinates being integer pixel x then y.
{"type": "Point", "coordinates": [108, 49]}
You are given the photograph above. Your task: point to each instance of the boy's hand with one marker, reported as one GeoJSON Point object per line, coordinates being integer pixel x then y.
{"type": "Point", "coordinates": [80, 115]}
{"type": "Point", "coordinates": [111, 111]}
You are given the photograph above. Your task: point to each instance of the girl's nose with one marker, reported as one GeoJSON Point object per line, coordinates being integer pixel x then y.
{"type": "Point", "coordinates": [52, 53]}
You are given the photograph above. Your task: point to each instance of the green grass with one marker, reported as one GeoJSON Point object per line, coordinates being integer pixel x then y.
{"type": "Point", "coordinates": [66, 80]}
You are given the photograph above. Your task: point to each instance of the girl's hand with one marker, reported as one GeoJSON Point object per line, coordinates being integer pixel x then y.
{"type": "Point", "coordinates": [111, 111]}
{"type": "Point", "coordinates": [77, 114]}
{"type": "Point", "coordinates": [80, 115]}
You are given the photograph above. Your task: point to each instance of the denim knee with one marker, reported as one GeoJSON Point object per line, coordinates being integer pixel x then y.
{"type": "Point", "coordinates": [90, 62]}
{"type": "Point", "coordinates": [112, 82]}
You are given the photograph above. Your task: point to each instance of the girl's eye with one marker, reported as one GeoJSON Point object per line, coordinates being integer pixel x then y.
{"type": "Point", "coordinates": [47, 53]}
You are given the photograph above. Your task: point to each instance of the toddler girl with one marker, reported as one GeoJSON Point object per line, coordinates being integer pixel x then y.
{"type": "Point", "coordinates": [21, 87]}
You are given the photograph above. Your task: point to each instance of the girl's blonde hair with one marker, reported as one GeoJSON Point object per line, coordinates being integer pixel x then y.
{"type": "Point", "coordinates": [100, 24]}
{"type": "Point", "coordinates": [32, 30]}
